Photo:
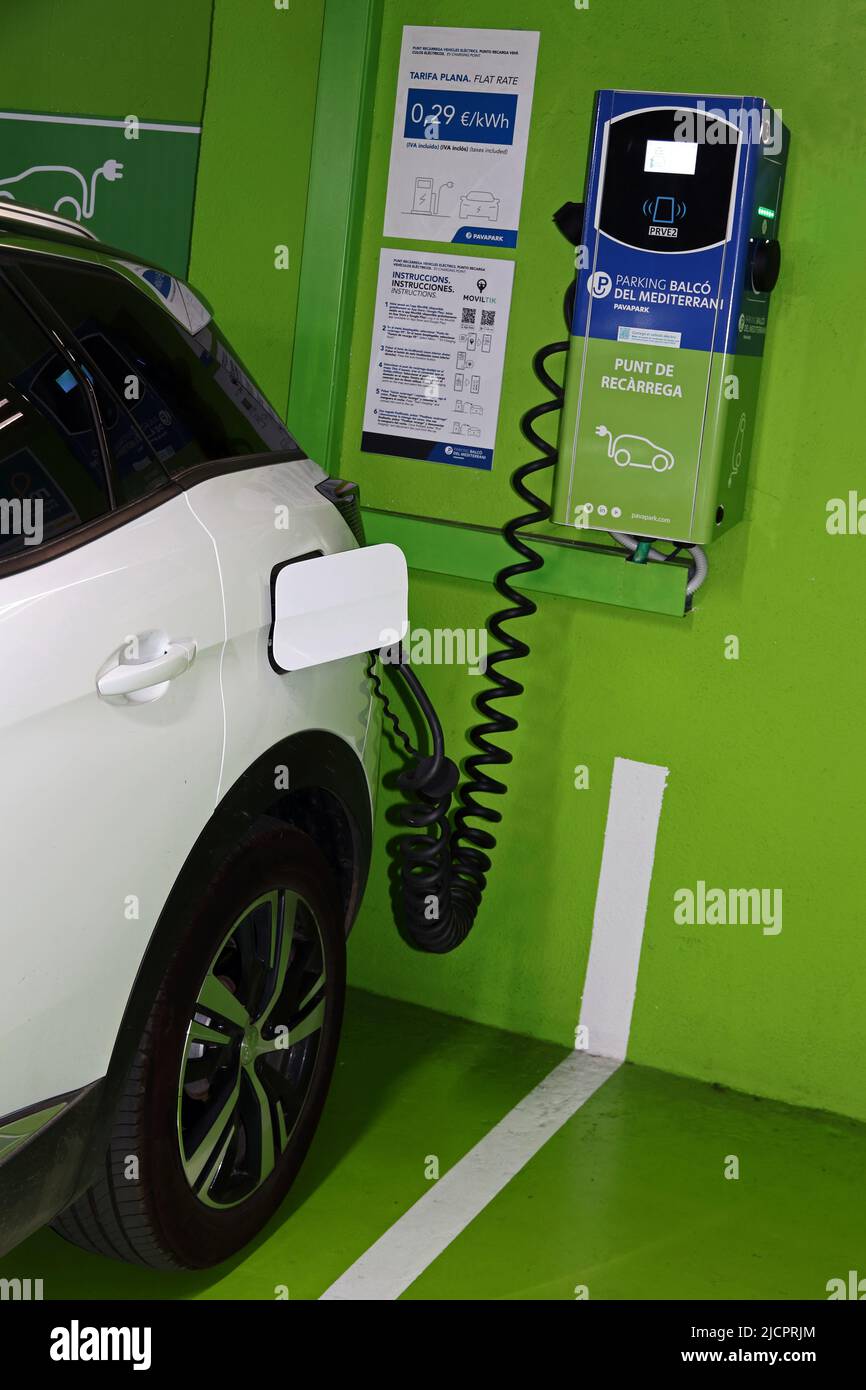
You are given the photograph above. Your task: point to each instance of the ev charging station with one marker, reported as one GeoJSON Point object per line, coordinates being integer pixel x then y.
{"type": "Point", "coordinates": [680, 256]}
{"type": "Point", "coordinates": [677, 256]}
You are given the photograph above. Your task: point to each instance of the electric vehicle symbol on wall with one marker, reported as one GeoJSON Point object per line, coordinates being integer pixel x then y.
{"type": "Point", "coordinates": [78, 200]}
{"type": "Point", "coordinates": [624, 453]}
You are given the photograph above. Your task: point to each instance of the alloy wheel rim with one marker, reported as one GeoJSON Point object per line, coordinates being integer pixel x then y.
{"type": "Point", "coordinates": [250, 1048]}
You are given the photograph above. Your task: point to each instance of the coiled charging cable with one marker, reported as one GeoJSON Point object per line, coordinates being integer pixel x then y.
{"type": "Point", "coordinates": [443, 870]}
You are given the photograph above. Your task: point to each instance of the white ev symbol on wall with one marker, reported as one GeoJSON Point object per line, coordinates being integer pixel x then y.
{"type": "Point", "coordinates": [600, 284]}
{"type": "Point", "coordinates": [78, 200]}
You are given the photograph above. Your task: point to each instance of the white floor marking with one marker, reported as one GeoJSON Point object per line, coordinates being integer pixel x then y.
{"type": "Point", "coordinates": [419, 1236]}
{"type": "Point", "coordinates": [96, 120]}
{"type": "Point", "coordinates": [633, 812]}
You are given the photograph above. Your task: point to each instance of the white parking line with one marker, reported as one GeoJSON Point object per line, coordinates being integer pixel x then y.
{"type": "Point", "coordinates": [414, 1241]}
{"type": "Point", "coordinates": [419, 1237]}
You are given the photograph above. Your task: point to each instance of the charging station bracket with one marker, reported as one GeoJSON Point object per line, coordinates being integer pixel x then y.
{"type": "Point", "coordinates": [599, 573]}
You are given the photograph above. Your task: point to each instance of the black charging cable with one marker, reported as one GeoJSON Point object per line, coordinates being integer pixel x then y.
{"type": "Point", "coordinates": [443, 869]}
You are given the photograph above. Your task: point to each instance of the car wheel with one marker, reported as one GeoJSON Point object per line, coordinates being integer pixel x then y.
{"type": "Point", "coordinates": [622, 458]}
{"type": "Point", "coordinates": [233, 1067]}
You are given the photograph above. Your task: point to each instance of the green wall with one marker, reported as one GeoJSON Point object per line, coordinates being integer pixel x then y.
{"type": "Point", "coordinates": [766, 781]}
{"type": "Point", "coordinates": [253, 175]}
{"type": "Point", "coordinates": [98, 58]}
{"type": "Point", "coordinates": [248, 74]}
{"type": "Point", "coordinates": [123, 97]}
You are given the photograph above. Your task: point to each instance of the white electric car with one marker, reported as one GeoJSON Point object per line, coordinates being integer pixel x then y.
{"type": "Point", "coordinates": [185, 832]}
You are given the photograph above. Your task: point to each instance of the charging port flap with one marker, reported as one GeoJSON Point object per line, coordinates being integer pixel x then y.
{"type": "Point", "coordinates": [324, 607]}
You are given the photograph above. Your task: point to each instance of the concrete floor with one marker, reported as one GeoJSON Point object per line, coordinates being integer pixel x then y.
{"type": "Point", "coordinates": [629, 1199]}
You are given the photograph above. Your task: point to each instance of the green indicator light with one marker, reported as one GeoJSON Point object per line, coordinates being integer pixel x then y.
{"type": "Point", "coordinates": [766, 212]}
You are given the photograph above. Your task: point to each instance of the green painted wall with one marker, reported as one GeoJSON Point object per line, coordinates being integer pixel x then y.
{"type": "Point", "coordinates": [767, 784]}
{"type": "Point", "coordinates": [248, 73]}
{"type": "Point", "coordinates": [92, 69]}
{"type": "Point", "coordinates": [253, 175]}
{"type": "Point", "coordinates": [99, 58]}
{"type": "Point", "coordinates": [351, 34]}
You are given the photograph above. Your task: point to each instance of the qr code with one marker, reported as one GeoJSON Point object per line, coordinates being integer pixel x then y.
{"type": "Point", "coordinates": [468, 315]}
{"type": "Point", "coordinates": [488, 318]}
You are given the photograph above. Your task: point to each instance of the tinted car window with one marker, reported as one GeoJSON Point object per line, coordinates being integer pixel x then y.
{"type": "Point", "coordinates": [136, 471]}
{"type": "Point", "coordinates": [51, 472]}
{"type": "Point", "coordinates": [188, 393]}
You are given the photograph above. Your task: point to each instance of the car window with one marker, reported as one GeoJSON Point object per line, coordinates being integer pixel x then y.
{"type": "Point", "coordinates": [51, 472]}
{"type": "Point", "coordinates": [136, 470]}
{"type": "Point", "coordinates": [187, 392]}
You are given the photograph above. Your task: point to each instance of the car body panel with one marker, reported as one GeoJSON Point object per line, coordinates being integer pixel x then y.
{"type": "Point", "coordinates": [259, 519]}
{"type": "Point", "coordinates": [100, 801]}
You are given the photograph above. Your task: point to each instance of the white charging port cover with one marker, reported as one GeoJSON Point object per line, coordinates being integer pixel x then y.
{"type": "Point", "coordinates": [328, 606]}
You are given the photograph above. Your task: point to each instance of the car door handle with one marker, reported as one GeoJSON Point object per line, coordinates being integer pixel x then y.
{"type": "Point", "coordinates": [127, 677]}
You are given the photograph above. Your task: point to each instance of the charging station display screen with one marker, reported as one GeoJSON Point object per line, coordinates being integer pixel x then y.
{"type": "Point", "coordinates": [661, 191]}
{"type": "Point", "coordinates": [670, 157]}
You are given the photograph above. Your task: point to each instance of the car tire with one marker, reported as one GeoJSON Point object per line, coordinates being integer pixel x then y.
{"type": "Point", "coordinates": [218, 1113]}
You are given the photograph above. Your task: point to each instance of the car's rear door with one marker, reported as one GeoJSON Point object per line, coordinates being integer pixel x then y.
{"type": "Point", "coordinates": [245, 478]}
{"type": "Point", "coordinates": [107, 580]}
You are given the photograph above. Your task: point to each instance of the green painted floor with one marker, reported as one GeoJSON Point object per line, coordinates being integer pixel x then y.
{"type": "Point", "coordinates": [629, 1199]}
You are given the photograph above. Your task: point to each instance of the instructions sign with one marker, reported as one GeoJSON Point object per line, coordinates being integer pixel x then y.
{"type": "Point", "coordinates": [436, 357]}
{"type": "Point", "coordinates": [461, 123]}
